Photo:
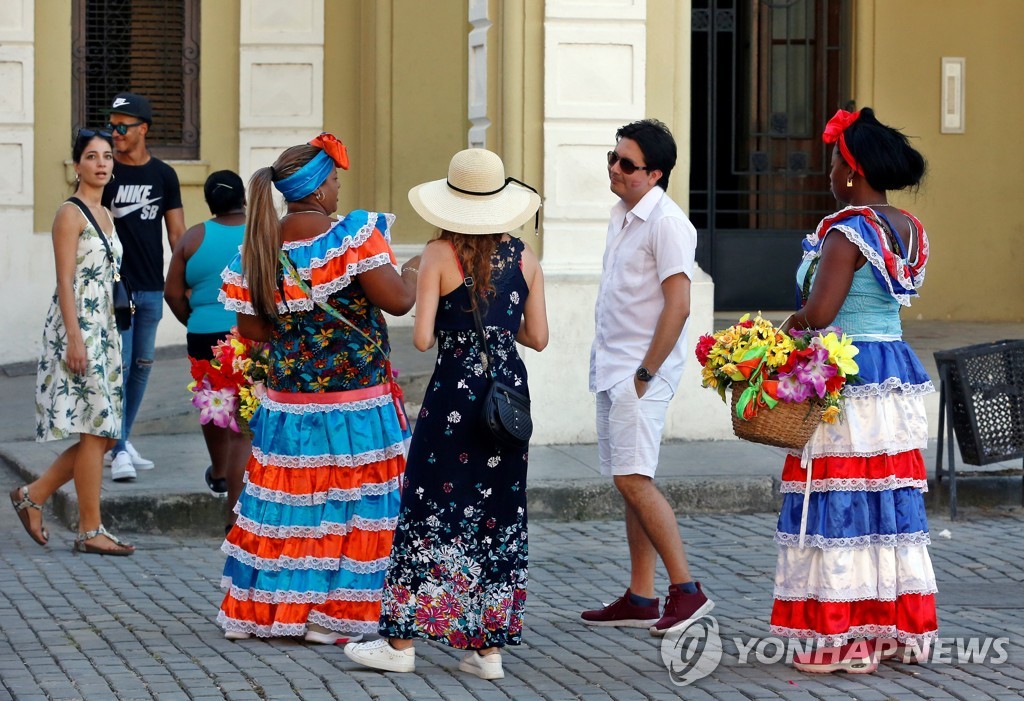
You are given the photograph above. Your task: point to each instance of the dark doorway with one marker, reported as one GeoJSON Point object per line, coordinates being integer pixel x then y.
{"type": "Point", "coordinates": [766, 75]}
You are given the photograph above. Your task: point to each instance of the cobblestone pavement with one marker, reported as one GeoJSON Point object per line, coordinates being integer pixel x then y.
{"type": "Point", "coordinates": [86, 627]}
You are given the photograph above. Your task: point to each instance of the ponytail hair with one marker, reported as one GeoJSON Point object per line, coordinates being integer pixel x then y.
{"type": "Point", "coordinates": [262, 243]}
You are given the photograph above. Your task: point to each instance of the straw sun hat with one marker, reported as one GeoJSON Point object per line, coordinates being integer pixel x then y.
{"type": "Point", "coordinates": [476, 198]}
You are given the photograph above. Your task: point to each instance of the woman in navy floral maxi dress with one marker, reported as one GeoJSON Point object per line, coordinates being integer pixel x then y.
{"type": "Point", "coordinates": [458, 570]}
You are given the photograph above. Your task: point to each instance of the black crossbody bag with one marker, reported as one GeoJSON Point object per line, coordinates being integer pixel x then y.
{"type": "Point", "coordinates": [506, 411]}
{"type": "Point", "coordinates": [124, 304]}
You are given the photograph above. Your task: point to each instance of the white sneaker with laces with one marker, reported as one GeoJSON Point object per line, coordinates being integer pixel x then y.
{"type": "Point", "coordinates": [138, 462]}
{"type": "Point", "coordinates": [378, 654]}
{"type": "Point", "coordinates": [483, 666]}
{"type": "Point", "coordinates": [121, 469]}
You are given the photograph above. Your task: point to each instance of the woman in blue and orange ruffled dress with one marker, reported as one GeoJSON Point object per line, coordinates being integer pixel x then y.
{"type": "Point", "coordinates": [310, 546]}
{"type": "Point", "coordinates": [853, 573]}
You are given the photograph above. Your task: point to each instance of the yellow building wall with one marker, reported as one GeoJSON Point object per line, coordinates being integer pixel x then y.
{"type": "Point", "coordinates": [218, 109]}
{"type": "Point", "coordinates": [395, 90]}
{"type": "Point", "coordinates": [968, 199]}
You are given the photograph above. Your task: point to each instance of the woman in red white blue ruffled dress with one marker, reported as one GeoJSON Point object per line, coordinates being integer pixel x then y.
{"type": "Point", "coordinates": [853, 574]}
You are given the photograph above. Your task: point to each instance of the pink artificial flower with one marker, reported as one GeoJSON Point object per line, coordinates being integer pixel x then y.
{"type": "Point", "coordinates": [791, 389]}
{"type": "Point", "coordinates": [816, 370]}
{"type": "Point", "coordinates": [218, 406]}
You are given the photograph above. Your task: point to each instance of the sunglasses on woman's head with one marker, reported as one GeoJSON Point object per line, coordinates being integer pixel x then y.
{"type": "Point", "coordinates": [89, 133]}
{"type": "Point", "coordinates": [122, 129]}
{"type": "Point", "coordinates": [625, 165]}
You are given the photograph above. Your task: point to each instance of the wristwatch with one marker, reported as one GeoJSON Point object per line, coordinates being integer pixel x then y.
{"type": "Point", "coordinates": [643, 374]}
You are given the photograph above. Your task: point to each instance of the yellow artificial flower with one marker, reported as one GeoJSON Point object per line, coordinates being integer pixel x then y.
{"type": "Point", "coordinates": [779, 352]}
{"type": "Point", "coordinates": [708, 379]}
{"type": "Point", "coordinates": [841, 352]}
{"type": "Point", "coordinates": [831, 414]}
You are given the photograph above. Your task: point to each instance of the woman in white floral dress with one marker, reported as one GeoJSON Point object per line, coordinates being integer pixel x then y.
{"type": "Point", "coordinates": [79, 375]}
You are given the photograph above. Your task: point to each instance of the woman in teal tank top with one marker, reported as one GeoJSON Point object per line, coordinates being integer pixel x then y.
{"type": "Point", "coordinates": [193, 283]}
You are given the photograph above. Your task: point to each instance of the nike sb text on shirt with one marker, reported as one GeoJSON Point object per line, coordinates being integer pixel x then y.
{"type": "Point", "coordinates": [130, 198]}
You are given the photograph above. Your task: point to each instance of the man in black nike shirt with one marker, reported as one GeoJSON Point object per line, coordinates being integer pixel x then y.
{"type": "Point", "coordinates": [143, 196]}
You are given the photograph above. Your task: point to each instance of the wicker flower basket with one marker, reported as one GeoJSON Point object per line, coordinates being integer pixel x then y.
{"type": "Point", "coordinates": [787, 425]}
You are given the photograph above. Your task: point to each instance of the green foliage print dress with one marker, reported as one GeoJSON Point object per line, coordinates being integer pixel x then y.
{"type": "Point", "coordinates": [68, 403]}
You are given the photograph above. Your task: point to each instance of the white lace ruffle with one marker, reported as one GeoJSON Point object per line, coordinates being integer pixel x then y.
{"type": "Point", "coordinates": [853, 484]}
{"type": "Point", "coordinates": [867, 592]}
{"type": "Point", "coordinates": [887, 540]}
{"type": "Point", "coordinates": [327, 460]}
{"type": "Point", "coordinates": [324, 529]}
{"type": "Point", "coordinates": [878, 263]}
{"type": "Point", "coordinates": [284, 630]}
{"type": "Point", "coordinates": [347, 625]}
{"type": "Point", "coordinates": [873, 425]}
{"type": "Point", "coordinates": [319, 498]}
{"type": "Point", "coordinates": [854, 632]}
{"type": "Point", "coordinates": [298, 597]}
{"type": "Point", "coordinates": [235, 305]}
{"type": "Point", "coordinates": [323, 291]}
{"type": "Point", "coordinates": [311, 408]}
{"type": "Point", "coordinates": [888, 386]}
{"type": "Point", "coordinates": [347, 243]}
{"type": "Point", "coordinates": [304, 563]}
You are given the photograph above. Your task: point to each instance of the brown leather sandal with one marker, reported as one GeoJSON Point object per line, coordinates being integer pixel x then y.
{"type": "Point", "coordinates": [120, 548]}
{"type": "Point", "coordinates": [21, 502]}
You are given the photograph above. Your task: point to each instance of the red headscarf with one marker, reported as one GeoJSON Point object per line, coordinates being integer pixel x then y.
{"type": "Point", "coordinates": [333, 148]}
{"type": "Point", "coordinates": [834, 133]}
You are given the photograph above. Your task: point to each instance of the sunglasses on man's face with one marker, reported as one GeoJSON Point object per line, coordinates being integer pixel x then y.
{"type": "Point", "coordinates": [122, 129]}
{"type": "Point", "coordinates": [625, 165]}
{"type": "Point", "coordinates": [89, 133]}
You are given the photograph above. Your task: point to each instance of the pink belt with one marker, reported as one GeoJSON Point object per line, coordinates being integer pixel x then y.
{"type": "Point", "coordinates": [344, 397]}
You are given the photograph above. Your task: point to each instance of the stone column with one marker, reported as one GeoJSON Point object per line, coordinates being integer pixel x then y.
{"type": "Point", "coordinates": [594, 82]}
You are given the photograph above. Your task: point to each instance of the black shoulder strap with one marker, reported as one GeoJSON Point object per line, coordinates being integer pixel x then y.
{"type": "Point", "coordinates": [92, 220]}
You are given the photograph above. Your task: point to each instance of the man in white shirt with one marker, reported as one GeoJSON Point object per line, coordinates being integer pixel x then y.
{"type": "Point", "coordinates": [636, 362]}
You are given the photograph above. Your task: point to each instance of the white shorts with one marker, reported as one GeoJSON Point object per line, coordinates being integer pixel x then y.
{"type": "Point", "coordinates": [629, 428]}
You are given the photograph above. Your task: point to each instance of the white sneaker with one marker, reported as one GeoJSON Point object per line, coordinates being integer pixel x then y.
{"type": "Point", "coordinates": [329, 637]}
{"type": "Point", "coordinates": [483, 666]}
{"type": "Point", "coordinates": [378, 654]}
{"type": "Point", "coordinates": [138, 462]}
{"type": "Point", "coordinates": [121, 469]}
{"type": "Point", "coordinates": [236, 635]}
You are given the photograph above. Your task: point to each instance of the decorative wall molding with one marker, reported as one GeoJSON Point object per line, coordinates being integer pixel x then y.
{"type": "Point", "coordinates": [17, 111]}
{"type": "Point", "coordinates": [477, 72]}
{"type": "Point", "coordinates": [281, 78]}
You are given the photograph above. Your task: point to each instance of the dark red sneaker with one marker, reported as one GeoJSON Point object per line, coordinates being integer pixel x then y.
{"type": "Point", "coordinates": [622, 613]}
{"type": "Point", "coordinates": [682, 609]}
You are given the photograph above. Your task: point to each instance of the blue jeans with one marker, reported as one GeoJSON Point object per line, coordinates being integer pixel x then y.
{"type": "Point", "coordinates": [137, 346]}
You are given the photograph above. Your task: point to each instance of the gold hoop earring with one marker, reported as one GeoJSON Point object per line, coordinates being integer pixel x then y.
{"type": "Point", "coordinates": [849, 180]}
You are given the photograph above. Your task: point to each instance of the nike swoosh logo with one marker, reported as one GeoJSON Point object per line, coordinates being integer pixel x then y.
{"type": "Point", "coordinates": [119, 212]}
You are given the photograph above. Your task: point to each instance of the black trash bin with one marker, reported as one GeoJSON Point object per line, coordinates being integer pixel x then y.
{"type": "Point", "coordinates": [982, 398]}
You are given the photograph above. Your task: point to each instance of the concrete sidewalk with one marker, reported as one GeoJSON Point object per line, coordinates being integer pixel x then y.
{"type": "Point", "coordinates": [564, 480]}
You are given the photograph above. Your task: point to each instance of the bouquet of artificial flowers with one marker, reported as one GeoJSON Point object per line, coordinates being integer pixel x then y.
{"type": "Point", "coordinates": [768, 369]}
{"type": "Point", "coordinates": [227, 390]}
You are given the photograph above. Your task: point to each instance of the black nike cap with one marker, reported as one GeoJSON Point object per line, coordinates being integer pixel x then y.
{"type": "Point", "coordinates": [133, 105]}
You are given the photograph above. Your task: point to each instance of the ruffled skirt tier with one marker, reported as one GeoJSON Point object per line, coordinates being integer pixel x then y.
{"type": "Point", "coordinates": [317, 516]}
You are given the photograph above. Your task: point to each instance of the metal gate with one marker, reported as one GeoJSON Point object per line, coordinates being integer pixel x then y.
{"type": "Point", "coordinates": [766, 76]}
